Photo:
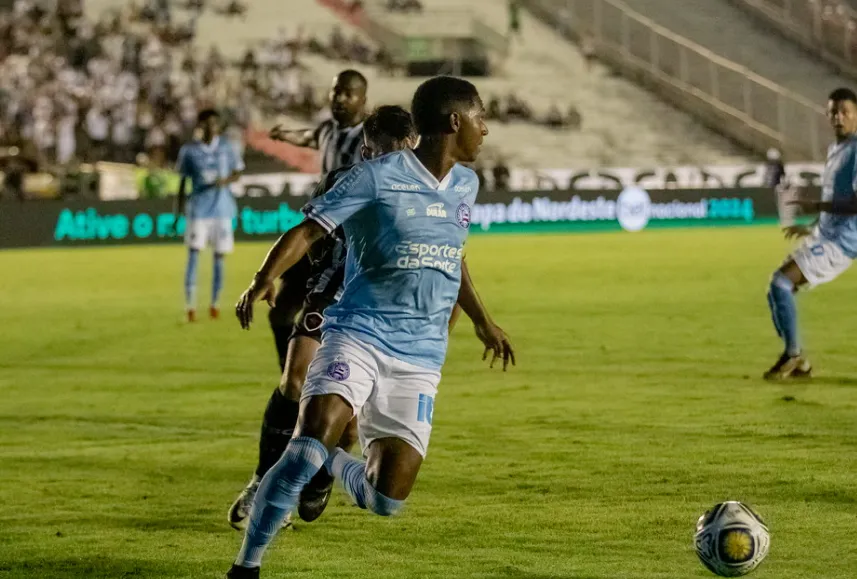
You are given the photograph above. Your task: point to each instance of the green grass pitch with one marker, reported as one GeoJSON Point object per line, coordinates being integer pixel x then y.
{"type": "Point", "coordinates": [636, 404]}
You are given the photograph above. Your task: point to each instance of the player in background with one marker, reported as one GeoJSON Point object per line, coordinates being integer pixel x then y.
{"type": "Point", "coordinates": [405, 217]}
{"type": "Point", "coordinates": [338, 141]}
{"type": "Point", "coordinates": [211, 164]}
{"type": "Point", "coordinates": [387, 129]}
{"type": "Point", "coordinates": [827, 248]}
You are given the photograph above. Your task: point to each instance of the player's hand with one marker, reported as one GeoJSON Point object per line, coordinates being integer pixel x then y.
{"type": "Point", "coordinates": [278, 133]}
{"type": "Point", "coordinates": [805, 205]}
{"type": "Point", "coordinates": [796, 231]}
{"type": "Point", "coordinates": [497, 342]}
{"type": "Point", "coordinates": [258, 290]}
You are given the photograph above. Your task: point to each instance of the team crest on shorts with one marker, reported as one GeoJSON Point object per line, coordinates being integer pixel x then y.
{"type": "Point", "coordinates": [462, 215]}
{"type": "Point", "coordinates": [339, 371]}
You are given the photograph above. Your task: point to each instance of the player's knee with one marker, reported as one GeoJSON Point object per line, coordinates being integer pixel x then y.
{"type": "Point", "coordinates": [380, 504]}
{"type": "Point", "coordinates": [781, 281]}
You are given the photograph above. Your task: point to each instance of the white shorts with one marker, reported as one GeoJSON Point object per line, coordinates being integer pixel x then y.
{"type": "Point", "coordinates": [820, 260]}
{"type": "Point", "coordinates": [391, 398]}
{"type": "Point", "coordinates": [199, 233]}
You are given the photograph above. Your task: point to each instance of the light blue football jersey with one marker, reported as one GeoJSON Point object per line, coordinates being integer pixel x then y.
{"type": "Point", "coordinates": [405, 233]}
{"type": "Point", "coordinates": [838, 184]}
{"type": "Point", "coordinates": [203, 164]}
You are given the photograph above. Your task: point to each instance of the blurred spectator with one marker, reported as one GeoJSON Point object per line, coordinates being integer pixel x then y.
{"type": "Point", "coordinates": [574, 120]}
{"type": "Point", "coordinates": [775, 170]}
{"type": "Point", "coordinates": [518, 109]}
{"type": "Point", "coordinates": [554, 118]}
{"type": "Point", "coordinates": [587, 50]}
{"type": "Point", "coordinates": [404, 6]}
{"type": "Point", "coordinates": [501, 175]}
{"type": "Point", "coordinates": [514, 18]}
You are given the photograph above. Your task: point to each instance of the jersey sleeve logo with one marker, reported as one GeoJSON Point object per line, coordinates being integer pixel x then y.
{"type": "Point", "coordinates": [462, 215]}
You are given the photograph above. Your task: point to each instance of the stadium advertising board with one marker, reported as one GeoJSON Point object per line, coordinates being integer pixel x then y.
{"type": "Point", "coordinates": [90, 222]}
{"type": "Point", "coordinates": [631, 209]}
{"type": "Point", "coordinates": [127, 182]}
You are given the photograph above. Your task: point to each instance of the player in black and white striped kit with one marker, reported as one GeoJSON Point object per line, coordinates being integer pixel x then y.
{"type": "Point", "coordinates": [338, 141]}
{"type": "Point", "coordinates": [305, 291]}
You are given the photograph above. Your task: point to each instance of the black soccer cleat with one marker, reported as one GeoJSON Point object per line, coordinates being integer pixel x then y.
{"type": "Point", "coordinates": [315, 496]}
{"type": "Point", "coordinates": [789, 367]}
{"type": "Point", "coordinates": [237, 572]}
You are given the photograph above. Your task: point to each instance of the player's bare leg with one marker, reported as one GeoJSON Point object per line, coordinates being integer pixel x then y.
{"type": "Point", "coordinates": [785, 282]}
{"type": "Point", "coordinates": [321, 423]}
{"type": "Point", "coordinates": [385, 480]}
{"type": "Point", "coordinates": [278, 426]}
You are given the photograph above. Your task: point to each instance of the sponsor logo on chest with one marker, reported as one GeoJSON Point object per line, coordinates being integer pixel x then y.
{"type": "Point", "coordinates": [435, 210]}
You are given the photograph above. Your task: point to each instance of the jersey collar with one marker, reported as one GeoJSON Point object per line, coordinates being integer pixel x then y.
{"type": "Point", "coordinates": [424, 175]}
{"type": "Point", "coordinates": [210, 147]}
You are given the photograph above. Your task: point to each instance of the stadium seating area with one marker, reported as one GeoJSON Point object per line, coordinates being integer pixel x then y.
{"type": "Point", "coordinates": [726, 30]}
{"type": "Point", "coordinates": [172, 60]}
{"type": "Point", "coordinates": [606, 108]}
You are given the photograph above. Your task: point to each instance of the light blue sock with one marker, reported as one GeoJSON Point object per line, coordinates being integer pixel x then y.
{"type": "Point", "coordinates": [190, 279]}
{"type": "Point", "coordinates": [217, 278]}
{"type": "Point", "coordinates": [352, 473]}
{"type": "Point", "coordinates": [277, 496]}
{"type": "Point", "coordinates": [781, 300]}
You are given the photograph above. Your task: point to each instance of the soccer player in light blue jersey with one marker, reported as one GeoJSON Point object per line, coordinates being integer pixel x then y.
{"type": "Point", "coordinates": [828, 247]}
{"type": "Point", "coordinates": [405, 217]}
{"type": "Point", "coordinates": [211, 164]}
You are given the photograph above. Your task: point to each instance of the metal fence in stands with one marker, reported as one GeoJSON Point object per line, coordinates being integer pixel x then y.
{"type": "Point", "coordinates": [830, 27]}
{"type": "Point", "coordinates": [611, 26]}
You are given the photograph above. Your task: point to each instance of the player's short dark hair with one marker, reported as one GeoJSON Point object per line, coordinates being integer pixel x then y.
{"type": "Point", "coordinates": [206, 114]}
{"type": "Point", "coordinates": [439, 97]}
{"type": "Point", "coordinates": [389, 122]}
{"type": "Point", "coordinates": [843, 94]}
{"type": "Point", "coordinates": [350, 74]}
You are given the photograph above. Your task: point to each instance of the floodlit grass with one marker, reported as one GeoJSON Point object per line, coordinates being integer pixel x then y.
{"type": "Point", "coordinates": [637, 404]}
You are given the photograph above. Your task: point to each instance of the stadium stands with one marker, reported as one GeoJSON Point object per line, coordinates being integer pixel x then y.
{"type": "Point", "coordinates": [582, 117]}
{"type": "Point", "coordinates": [827, 29]}
{"type": "Point", "coordinates": [732, 97]}
{"type": "Point", "coordinates": [611, 108]}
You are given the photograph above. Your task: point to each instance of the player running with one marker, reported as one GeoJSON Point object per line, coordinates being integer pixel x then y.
{"type": "Point", "coordinates": [211, 164]}
{"type": "Point", "coordinates": [386, 130]}
{"type": "Point", "coordinates": [829, 247]}
{"type": "Point", "coordinates": [405, 216]}
{"type": "Point", "coordinates": [338, 141]}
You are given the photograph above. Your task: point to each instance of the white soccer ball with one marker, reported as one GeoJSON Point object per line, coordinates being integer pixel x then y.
{"type": "Point", "coordinates": [731, 539]}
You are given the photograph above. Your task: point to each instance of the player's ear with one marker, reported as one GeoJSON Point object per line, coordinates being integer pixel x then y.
{"type": "Point", "coordinates": [365, 152]}
{"type": "Point", "coordinates": [455, 121]}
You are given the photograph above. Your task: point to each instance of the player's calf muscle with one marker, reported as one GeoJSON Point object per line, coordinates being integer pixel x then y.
{"type": "Point", "coordinates": [392, 467]}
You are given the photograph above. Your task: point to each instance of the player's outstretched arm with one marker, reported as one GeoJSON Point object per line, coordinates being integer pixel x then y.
{"type": "Point", "coordinates": [285, 253]}
{"type": "Point", "coordinates": [298, 138]}
{"type": "Point", "coordinates": [489, 333]}
{"type": "Point", "coordinates": [848, 207]}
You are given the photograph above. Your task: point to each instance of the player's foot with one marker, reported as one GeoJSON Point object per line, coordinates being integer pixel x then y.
{"type": "Point", "coordinates": [191, 316]}
{"type": "Point", "coordinates": [315, 496]}
{"type": "Point", "coordinates": [213, 312]}
{"type": "Point", "coordinates": [239, 512]}
{"type": "Point", "coordinates": [789, 367]}
{"type": "Point", "coordinates": [237, 572]}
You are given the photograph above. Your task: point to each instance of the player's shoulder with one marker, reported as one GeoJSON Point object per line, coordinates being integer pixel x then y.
{"type": "Point", "coordinates": [464, 181]}
{"type": "Point", "coordinates": [189, 147]}
{"type": "Point", "coordinates": [464, 173]}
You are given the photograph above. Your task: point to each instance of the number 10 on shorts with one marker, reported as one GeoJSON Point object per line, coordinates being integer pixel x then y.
{"type": "Point", "coordinates": [425, 409]}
